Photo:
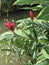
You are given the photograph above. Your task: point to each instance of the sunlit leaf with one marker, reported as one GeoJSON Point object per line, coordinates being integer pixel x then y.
{"type": "Point", "coordinates": [44, 14]}
{"type": "Point", "coordinates": [22, 2]}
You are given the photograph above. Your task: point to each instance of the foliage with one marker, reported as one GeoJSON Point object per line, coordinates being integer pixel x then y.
{"type": "Point", "coordinates": [41, 4]}
{"type": "Point", "coordinates": [31, 37]}
{"type": "Point", "coordinates": [22, 2]}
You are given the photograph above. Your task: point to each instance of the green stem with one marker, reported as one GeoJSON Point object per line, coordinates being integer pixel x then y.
{"type": "Point", "coordinates": [34, 31]}
{"type": "Point", "coordinates": [36, 39]}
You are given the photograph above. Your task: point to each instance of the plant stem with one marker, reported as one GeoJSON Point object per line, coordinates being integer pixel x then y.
{"type": "Point", "coordinates": [36, 39]}
{"type": "Point", "coordinates": [34, 31]}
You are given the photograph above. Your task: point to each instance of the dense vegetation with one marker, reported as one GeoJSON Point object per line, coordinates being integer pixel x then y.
{"type": "Point", "coordinates": [31, 35]}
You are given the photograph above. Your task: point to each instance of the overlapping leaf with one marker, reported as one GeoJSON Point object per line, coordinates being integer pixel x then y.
{"type": "Point", "coordinates": [22, 2]}
{"type": "Point", "coordinates": [44, 14]}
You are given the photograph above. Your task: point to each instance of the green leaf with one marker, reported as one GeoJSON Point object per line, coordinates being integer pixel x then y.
{"type": "Point", "coordinates": [44, 14]}
{"type": "Point", "coordinates": [31, 8]}
{"type": "Point", "coordinates": [45, 54]}
{"type": "Point", "coordinates": [47, 49]}
{"type": "Point", "coordinates": [46, 26]}
{"type": "Point", "coordinates": [20, 33]}
{"type": "Point", "coordinates": [46, 62]}
{"type": "Point", "coordinates": [6, 35]}
{"type": "Point", "coordinates": [40, 57]}
{"type": "Point", "coordinates": [22, 51]}
{"type": "Point", "coordinates": [22, 2]}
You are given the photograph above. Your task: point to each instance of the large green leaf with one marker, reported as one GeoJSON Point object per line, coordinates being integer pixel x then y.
{"type": "Point", "coordinates": [45, 53]}
{"type": "Point", "coordinates": [42, 57]}
{"type": "Point", "coordinates": [6, 35]}
{"type": "Point", "coordinates": [32, 8]}
{"type": "Point", "coordinates": [43, 63]}
{"type": "Point", "coordinates": [20, 33]}
{"type": "Point", "coordinates": [22, 2]}
{"type": "Point", "coordinates": [44, 14]}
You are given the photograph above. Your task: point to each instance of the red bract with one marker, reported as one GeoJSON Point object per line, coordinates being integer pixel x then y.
{"type": "Point", "coordinates": [9, 25]}
{"type": "Point", "coordinates": [31, 15]}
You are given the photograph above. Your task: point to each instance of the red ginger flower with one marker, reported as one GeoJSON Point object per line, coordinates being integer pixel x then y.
{"type": "Point", "coordinates": [9, 25]}
{"type": "Point", "coordinates": [31, 15]}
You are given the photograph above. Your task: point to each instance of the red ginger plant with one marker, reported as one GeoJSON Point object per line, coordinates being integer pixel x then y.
{"type": "Point", "coordinates": [9, 25]}
{"type": "Point", "coordinates": [31, 15]}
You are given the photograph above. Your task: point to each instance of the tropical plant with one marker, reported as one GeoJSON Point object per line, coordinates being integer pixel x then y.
{"type": "Point", "coordinates": [30, 36]}
{"type": "Point", "coordinates": [43, 5]}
